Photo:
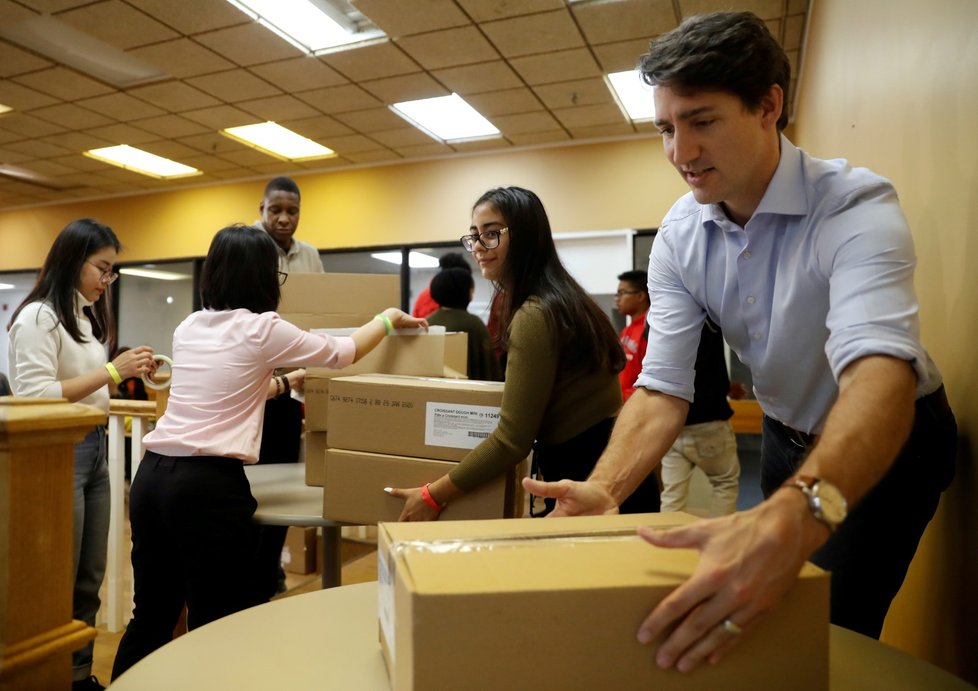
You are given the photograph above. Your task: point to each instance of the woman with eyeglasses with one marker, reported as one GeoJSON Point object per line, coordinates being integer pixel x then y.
{"type": "Point", "coordinates": [193, 540]}
{"type": "Point", "coordinates": [561, 394]}
{"type": "Point", "coordinates": [57, 350]}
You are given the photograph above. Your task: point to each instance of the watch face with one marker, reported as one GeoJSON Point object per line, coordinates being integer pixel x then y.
{"type": "Point", "coordinates": [831, 504]}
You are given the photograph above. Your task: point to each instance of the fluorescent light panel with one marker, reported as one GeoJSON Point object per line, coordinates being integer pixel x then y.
{"type": "Point", "coordinates": [5, 109]}
{"type": "Point", "coordinates": [446, 118]}
{"type": "Point", "coordinates": [633, 95]}
{"type": "Point", "coordinates": [416, 260]}
{"type": "Point", "coordinates": [140, 161]}
{"type": "Point", "coordinates": [312, 26]}
{"type": "Point", "coordinates": [154, 273]}
{"type": "Point", "coordinates": [7, 286]}
{"type": "Point", "coordinates": [272, 138]}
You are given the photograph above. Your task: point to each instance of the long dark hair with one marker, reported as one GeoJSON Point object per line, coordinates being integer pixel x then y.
{"type": "Point", "coordinates": [58, 281]}
{"type": "Point", "coordinates": [533, 269]}
{"type": "Point", "coordinates": [241, 271]}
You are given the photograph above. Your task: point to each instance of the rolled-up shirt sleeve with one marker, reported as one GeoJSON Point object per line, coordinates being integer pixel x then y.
{"type": "Point", "coordinates": [675, 324]}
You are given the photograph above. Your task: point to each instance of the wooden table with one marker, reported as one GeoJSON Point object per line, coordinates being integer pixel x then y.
{"type": "Point", "coordinates": [328, 640]}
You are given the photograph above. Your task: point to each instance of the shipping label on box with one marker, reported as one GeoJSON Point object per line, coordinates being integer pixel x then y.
{"type": "Point", "coordinates": [334, 293]}
{"type": "Point", "coordinates": [448, 590]}
{"type": "Point", "coordinates": [465, 413]}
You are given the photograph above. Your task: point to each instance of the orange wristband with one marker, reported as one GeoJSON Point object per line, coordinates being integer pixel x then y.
{"type": "Point", "coordinates": [430, 500]}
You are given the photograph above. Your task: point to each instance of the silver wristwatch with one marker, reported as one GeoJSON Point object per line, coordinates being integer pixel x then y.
{"type": "Point", "coordinates": [824, 499]}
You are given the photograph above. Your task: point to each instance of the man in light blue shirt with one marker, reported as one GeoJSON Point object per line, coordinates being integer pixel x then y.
{"type": "Point", "coordinates": [807, 267]}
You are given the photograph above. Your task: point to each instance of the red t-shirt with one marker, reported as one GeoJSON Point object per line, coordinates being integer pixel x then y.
{"type": "Point", "coordinates": [634, 342]}
{"type": "Point", "coordinates": [424, 305]}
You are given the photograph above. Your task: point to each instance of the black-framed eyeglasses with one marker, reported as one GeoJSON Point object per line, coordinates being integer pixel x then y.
{"type": "Point", "coordinates": [108, 276]}
{"type": "Point", "coordinates": [622, 293]}
{"type": "Point", "coordinates": [487, 238]}
{"type": "Point", "coordinates": [282, 276]}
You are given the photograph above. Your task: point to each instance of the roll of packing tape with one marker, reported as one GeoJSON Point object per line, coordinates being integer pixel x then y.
{"type": "Point", "coordinates": [152, 384]}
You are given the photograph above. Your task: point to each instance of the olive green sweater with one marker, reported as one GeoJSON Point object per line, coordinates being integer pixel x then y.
{"type": "Point", "coordinates": [543, 399]}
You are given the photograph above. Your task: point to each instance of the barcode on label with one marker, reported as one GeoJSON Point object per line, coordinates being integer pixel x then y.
{"type": "Point", "coordinates": [480, 435]}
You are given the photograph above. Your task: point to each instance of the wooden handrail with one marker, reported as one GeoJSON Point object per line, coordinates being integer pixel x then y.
{"type": "Point", "coordinates": [123, 406]}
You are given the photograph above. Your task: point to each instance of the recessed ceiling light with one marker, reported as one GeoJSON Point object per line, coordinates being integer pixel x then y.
{"type": "Point", "coordinates": [154, 273]}
{"type": "Point", "coordinates": [416, 260]}
{"type": "Point", "coordinates": [447, 118]}
{"type": "Point", "coordinates": [273, 139]}
{"type": "Point", "coordinates": [5, 109]}
{"type": "Point", "coordinates": [140, 161]}
{"type": "Point", "coordinates": [633, 95]}
{"type": "Point", "coordinates": [312, 26]}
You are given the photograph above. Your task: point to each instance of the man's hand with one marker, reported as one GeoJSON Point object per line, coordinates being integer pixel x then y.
{"type": "Point", "coordinates": [748, 561]}
{"type": "Point", "coordinates": [573, 498]}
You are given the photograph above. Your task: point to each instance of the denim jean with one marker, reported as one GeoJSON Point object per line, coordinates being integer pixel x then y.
{"type": "Point", "coordinates": [869, 554]}
{"type": "Point", "coordinates": [91, 537]}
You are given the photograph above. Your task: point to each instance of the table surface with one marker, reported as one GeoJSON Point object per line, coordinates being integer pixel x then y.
{"type": "Point", "coordinates": [328, 640]}
{"type": "Point", "coordinates": [283, 496]}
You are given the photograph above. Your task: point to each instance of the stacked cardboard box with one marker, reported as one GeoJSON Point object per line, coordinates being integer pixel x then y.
{"type": "Point", "coordinates": [399, 431]}
{"type": "Point", "coordinates": [557, 603]}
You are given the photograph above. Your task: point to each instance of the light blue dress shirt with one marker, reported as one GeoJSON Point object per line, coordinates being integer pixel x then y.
{"type": "Point", "coordinates": [821, 275]}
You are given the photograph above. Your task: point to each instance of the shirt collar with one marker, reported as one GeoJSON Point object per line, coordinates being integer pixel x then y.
{"type": "Point", "coordinates": [81, 302]}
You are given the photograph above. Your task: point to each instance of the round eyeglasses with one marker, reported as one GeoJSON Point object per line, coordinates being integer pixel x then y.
{"type": "Point", "coordinates": [282, 276]}
{"type": "Point", "coordinates": [487, 238]}
{"type": "Point", "coordinates": [108, 276]}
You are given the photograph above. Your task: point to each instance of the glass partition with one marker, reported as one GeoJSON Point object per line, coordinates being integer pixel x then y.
{"type": "Point", "coordinates": [153, 300]}
{"type": "Point", "coordinates": [14, 287]}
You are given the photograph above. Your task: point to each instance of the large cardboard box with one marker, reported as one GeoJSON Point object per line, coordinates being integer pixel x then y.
{"type": "Point", "coordinates": [299, 550]}
{"type": "Point", "coordinates": [556, 604]}
{"type": "Point", "coordinates": [311, 320]}
{"type": "Point", "coordinates": [331, 293]}
{"type": "Point", "coordinates": [355, 482]}
{"type": "Point", "coordinates": [314, 456]}
{"type": "Point", "coordinates": [412, 416]}
{"type": "Point", "coordinates": [456, 355]}
{"type": "Point", "coordinates": [409, 353]}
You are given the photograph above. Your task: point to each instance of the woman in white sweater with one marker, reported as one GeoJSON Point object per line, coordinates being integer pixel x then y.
{"type": "Point", "coordinates": [57, 350]}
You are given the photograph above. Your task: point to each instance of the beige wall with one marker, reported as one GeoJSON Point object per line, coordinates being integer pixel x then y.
{"type": "Point", "coordinates": [609, 185]}
{"type": "Point", "coordinates": [893, 85]}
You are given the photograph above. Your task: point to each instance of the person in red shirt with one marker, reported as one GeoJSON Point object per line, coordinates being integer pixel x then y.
{"type": "Point", "coordinates": [632, 300]}
{"type": "Point", "coordinates": [425, 304]}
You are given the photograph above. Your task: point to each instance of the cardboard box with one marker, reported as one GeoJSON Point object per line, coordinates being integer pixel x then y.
{"type": "Point", "coordinates": [355, 482]}
{"type": "Point", "coordinates": [314, 456]}
{"type": "Point", "coordinates": [311, 320]}
{"type": "Point", "coordinates": [332, 293]}
{"type": "Point", "coordinates": [414, 354]}
{"type": "Point", "coordinates": [457, 354]}
{"type": "Point", "coordinates": [419, 416]}
{"type": "Point", "coordinates": [556, 603]}
{"type": "Point", "coordinates": [299, 551]}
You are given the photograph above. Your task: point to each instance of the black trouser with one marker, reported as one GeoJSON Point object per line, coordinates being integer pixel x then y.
{"type": "Point", "coordinates": [193, 541]}
{"type": "Point", "coordinates": [871, 551]}
{"type": "Point", "coordinates": [575, 458]}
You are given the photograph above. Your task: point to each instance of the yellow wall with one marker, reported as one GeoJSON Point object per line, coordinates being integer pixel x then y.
{"type": "Point", "coordinates": [893, 85]}
{"type": "Point", "coordinates": [609, 185]}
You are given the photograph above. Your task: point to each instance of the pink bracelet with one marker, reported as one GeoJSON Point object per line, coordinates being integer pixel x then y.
{"type": "Point", "coordinates": [430, 500]}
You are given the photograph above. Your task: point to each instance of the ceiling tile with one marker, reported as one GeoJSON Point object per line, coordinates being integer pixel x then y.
{"type": "Point", "coordinates": [449, 48]}
{"type": "Point", "coordinates": [794, 28]}
{"type": "Point", "coordinates": [175, 151]}
{"type": "Point", "coordinates": [219, 117]}
{"type": "Point", "coordinates": [765, 9]}
{"type": "Point", "coordinates": [339, 99]}
{"type": "Point", "coordinates": [505, 102]}
{"type": "Point", "coordinates": [488, 10]}
{"type": "Point", "coordinates": [208, 164]}
{"type": "Point", "coordinates": [522, 123]}
{"type": "Point", "coordinates": [607, 130]}
{"type": "Point", "coordinates": [586, 116]}
{"type": "Point", "coordinates": [424, 150]}
{"type": "Point", "coordinates": [318, 128]}
{"type": "Point", "coordinates": [797, 6]}
{"type": "Point", "coordinates": [774, 26]}
{"type": "Point", "coordinates": [580, 92]}
{"type": "Point", "coordinates": [117, 24]}
{"type": "Point", "coordinates": [11, 13]}
{"type": "Point", "coordinates": [36, 148]}
{"type": "Point", "coordinates": [174, 96]}
{"type": "Point", "coordinates": [404, 136]}
{"type": "Point", "coordinates": [482, 144]}
{"type": "Point", "coordinates": [353, 143]}
{"type": "Point", "coordinates": [473, 79]}
{"type": "Point", "coordinates": [63, 83]}
{"type": "Point", "coordinates": [122, 134]}
{"type": "Point", "coordinates": [372, 61]}
{"type": "Point", "coordinates": [80, 163]}
{"type": "Point", "coordinates": [213, 144]}
{"type": "Point", "coordinates": [170, 126]}
{"type": "Point", "coordinates": [278, 108]}
{"type": "Point", "coordinates": [373, 120]}
{"type": "Point", "coordinates": [21, 97]}
{"type": "Point", "coordinates": [234, 85]}
{"type": "Point", "coordinates": [618, 57]}
{"type": "Point", "coordinates": [397, 18]}
{"type": "Point", "coordinates": [531, 138]}
{"type": "Point", "coordinates": [8, 135]}
{"type": "Point", "coordinates": [230, 173]}
{"type": "Point", "coordinates": [408, 87]}
{"type": "Point", "coordinates": [558, 66]}
{"type": "Point", "coordinates": [28, 125]}
{"type": "Point", "coordinates": [182, 58]}
{"type": "Point", "coordinates": [299, 74]}
{"type": "Point", "coordinates": [612, 22]}
{"type": "Point", "coordinates": [71, 117]}
{"type": "Point", "coordinates": [192, 17]}
{"type": "Point", "coordinates": [276, 168]}
{"type": "Point", "coordinates": [120, 106]}
{"type": "Point", "coordinates": [248, 157]}
{"type": "Point", "coordinates": [535, 33]}
{"type": "Point", "coordinates": [249, 44]}
{"type": "Point", "coordinates": [13, 60]}
{"type": "Point", "coordinates": [376, 156]}
{"type": "Point", "coordinates": [78, 141]}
